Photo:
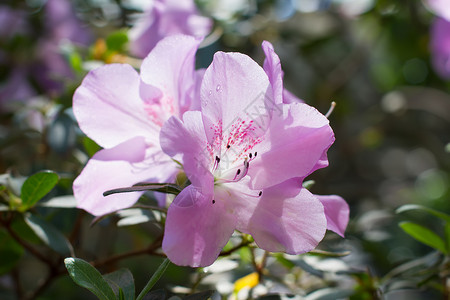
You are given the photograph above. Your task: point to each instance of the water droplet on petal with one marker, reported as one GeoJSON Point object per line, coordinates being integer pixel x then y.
{"type": "Point", "coordinates": [218, 88]}
{"type": "Point", "coordinates": [209, 93]}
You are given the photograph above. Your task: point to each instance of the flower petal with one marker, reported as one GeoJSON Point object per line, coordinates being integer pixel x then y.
{"type": "Point", "coordinates": [272, 67]}
{"type": "Point", "coordinates": [287, 219]}
{"type": "Point", "coordinates": [295, 145]}
{"type": "Point", "coordinates": [196, 229]}
{"type": "Point", "coordinates": [440, 47]}
{"type": "Point", "coordinates": [108, 107]}
{"type": "Point", "coordinates": [126, 164]}
{"type": "Point", "coordinates": [170, 68]}
{"type": "Point", "coordinates": [336, 211]}
{"type": "Point", "coordinates": [439, 7]}
{"type": "Point", "coordinates": [234, 88]}
{"type": "Point", "coordinates": [166, 18]}
{"type": "Point", "coordinates": [187, 139]}
{"type": "Point", "coordinates": [288, 97]}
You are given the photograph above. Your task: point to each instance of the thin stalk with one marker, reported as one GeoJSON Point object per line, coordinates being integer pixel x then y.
{"type": "Point", "coordinates": [156, 276]}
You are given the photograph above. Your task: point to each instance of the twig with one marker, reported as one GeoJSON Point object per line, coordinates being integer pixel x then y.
{"type": "Point", "coordinates": [27, 246]}
{"type": "Point", "coordinates": [54, 273]}
{"type": "Point", "coordinates": [75, 234]}
{"type": "Point", "coordinates": [149, 250]}
{"type": "Point", "coordinates": [228, 252]}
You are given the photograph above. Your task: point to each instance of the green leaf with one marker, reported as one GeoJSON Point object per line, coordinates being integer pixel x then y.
{"type": "Point", "coordinates": [155, 277]}
{"type": "Point", "coordinates": [424, 235]}
{"type": "Point", "coordinates": [90, 146]}
{"type": "Point", "coordinates": [10, 252]}
{"type": "Point", "coordinates": [89, 277]}
{"type": "Point", "coordinates": [36, 187]}
{"type": "Point", "coordinates": [116, 41]}
{"type": "Point", "coordinates": [434, 212]}
{"type": "Point", "coordinates": [76, 61]}
{"type": "Point", "coordinates": [283, 261]}
{"type": "Point", "coordinates": [51, 236]}
{"type": "Point", "coordinates": [447, 236]}
{"type": "Point", "coordinates": [121, 280]}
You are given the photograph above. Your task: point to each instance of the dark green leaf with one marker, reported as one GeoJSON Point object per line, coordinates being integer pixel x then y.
{"type": "Point", "coordinates": [200, 296]}
{"type": "Point", "coordinates": [10, 252]}
{"type": "Point", "coordinates": [36, 187]}
{"type": "Point", "coordinates": [122, 279]}
{"type": "Point", "coordinates": [89, 277]}
{"type": "Point", "coordinates": [51, 236]}
{"type": "Point", "coordinates": [157, 295]}
{"type": "Point", "coordinates": [324, 253]}
{"type": "Point", "coordinates": [434, 212]}
{"type": "Point", "coordinates": [424, 235]}
{"type": "Point", "coordinates": [331, 294]}
{"type": "Point", "coordinates": [167, 188]}
{"type": "Point", "coordinates": [309, 268]}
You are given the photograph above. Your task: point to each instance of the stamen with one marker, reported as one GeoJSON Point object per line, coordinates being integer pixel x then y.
{"type": "Point", "coordinates": [333, 105]}
{"type": "Point", "coordinates": [228, 146]}
{"type": "Point", "coordinates": [253, 196]}
{"type": "Point", "coordinates": [237, 174]}
{"type": "Point", "coordinates": [214, 201]}
{"type": "Point", "coordinates": [216, 163]}
{"type": "Point", "coordinates": [256, 153]}
{"type": "Point", "coordinates": [250, 155]}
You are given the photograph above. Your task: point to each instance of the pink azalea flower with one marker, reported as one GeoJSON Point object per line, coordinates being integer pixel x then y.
{"type": "Point", "coordinates": [440, 47]}
{"type": "Point", "coordinates": [439, 7]}
{"type": "Point", "coordinates": [246, 154]}
{"type": "Point", "coordinates": [164, 18]}
{"type": "Point", "coordinates": [123, 112]}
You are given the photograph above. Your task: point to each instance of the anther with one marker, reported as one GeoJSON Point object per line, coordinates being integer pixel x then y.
{"type": "Point", "coordinates": [256, 153]}
{"type": "Point", "coordinates": [214, 201]}
{"type": "Point", "coordinates": [250, 155]}
{"type": "Point", "coordinates": [260, 193]}
{"type": "Point", "coordinates": [228, 146]}
{"type": "Point", "coordinates": [238, 172]}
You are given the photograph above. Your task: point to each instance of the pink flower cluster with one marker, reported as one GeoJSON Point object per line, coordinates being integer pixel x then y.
{"type": "Point", "coordinates": [244, 143]}
{"type": "Point", "coordinates": [164, 18]}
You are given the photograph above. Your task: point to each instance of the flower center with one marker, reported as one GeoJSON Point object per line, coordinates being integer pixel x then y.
{"type": "Point", "coordinates": [232, 150]}
{"type": "Point", "coordinates": [160, 109]}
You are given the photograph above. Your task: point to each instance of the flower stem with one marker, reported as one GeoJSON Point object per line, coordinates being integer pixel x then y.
{"type": "Point", "coordinates": [156, 276]}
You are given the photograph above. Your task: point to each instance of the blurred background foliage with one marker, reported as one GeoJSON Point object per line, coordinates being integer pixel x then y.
{"type": "Point", "coordinates": [392, 127]}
